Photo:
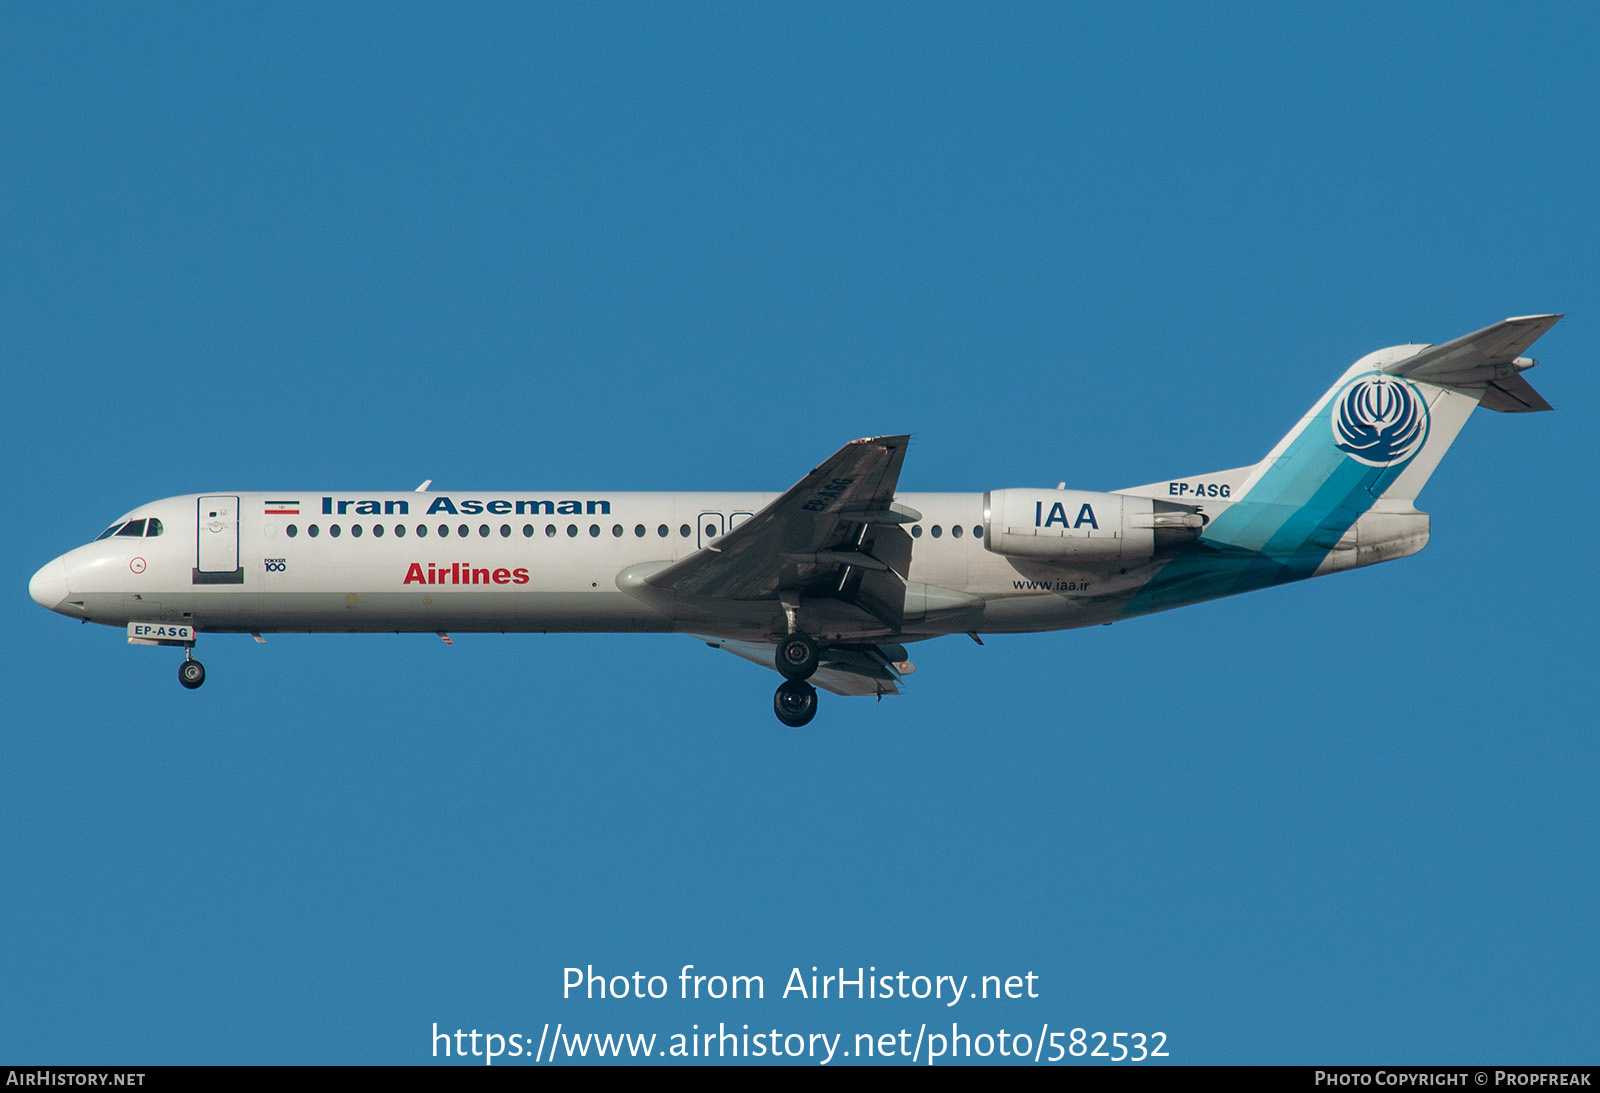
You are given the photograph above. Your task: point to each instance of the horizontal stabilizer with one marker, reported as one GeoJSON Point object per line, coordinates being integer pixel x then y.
{"type": "Point", "coordinates": [1513, 395]}
{"type": "Point", "coordinates": [1480, 357]}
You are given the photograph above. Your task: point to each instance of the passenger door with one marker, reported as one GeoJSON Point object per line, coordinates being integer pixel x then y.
{"type": "Point", "coordinates": [217, 541]}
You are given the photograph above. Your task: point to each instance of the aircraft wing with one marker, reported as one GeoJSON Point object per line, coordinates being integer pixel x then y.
{"type": "Point", "coordinates": [845, 669]}
{"type": "Point", "coordinates": [1488, 356]}
{"type": "Point", "coordinates": [835, 534]}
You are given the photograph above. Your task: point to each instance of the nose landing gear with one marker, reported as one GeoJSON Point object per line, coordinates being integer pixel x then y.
{"type": "Point", "coordinates": [191, 673]}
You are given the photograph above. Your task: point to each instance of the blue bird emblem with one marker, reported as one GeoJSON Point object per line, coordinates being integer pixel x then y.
{"type": "Point", "coordinates": [1380, 420]}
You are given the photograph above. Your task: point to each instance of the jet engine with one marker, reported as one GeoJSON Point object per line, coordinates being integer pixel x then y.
{"type": "Point", "coordinates": [1078, 527]}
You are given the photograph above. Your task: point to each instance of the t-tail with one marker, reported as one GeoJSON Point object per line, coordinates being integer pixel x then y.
{"type": "Point", "coordinates": [1339, 490]}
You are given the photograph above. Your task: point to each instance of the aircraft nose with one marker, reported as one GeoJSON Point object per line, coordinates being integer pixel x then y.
{"type": "Point", "coordinates": [49, 586]}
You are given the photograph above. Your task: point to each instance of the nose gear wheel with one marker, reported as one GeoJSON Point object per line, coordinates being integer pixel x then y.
{"type": "Point", "coordinates": [191, 673]}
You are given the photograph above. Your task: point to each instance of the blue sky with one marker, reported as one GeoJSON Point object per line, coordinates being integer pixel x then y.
{"type": "Point", "coordinates": [636, 247]}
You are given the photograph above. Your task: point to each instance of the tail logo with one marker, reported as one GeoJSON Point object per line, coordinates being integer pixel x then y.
{"type": "Point", "coordinates": [1380, 420]}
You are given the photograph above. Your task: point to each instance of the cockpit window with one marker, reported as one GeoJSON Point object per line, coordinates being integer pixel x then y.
{"type": "Point", "coordinates": [133, 529]}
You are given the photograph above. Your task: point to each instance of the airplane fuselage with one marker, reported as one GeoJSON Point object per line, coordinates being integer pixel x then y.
{"type": "Point", "coordinates": [525, 562]}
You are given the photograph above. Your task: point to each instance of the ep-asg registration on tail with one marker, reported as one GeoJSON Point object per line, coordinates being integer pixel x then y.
{"type": "Point", "coordinates": [826, 582]}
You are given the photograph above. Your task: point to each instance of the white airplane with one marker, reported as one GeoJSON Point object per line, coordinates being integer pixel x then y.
{"type": "Point", "coordinates": [825, 582]}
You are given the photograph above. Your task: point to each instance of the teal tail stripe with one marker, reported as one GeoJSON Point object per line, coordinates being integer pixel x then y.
{"type": "Point", "coordinates": [1280, 531]}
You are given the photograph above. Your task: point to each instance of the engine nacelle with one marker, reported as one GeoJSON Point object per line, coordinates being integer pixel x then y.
{"type": "Point", "coordinates": [1078, 527]}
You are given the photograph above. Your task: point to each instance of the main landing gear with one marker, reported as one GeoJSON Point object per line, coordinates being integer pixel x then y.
{"type": "Point", "coordinates": [191, 673]}
{"type": "Point", "coordinates": [798, 655]}
{"type": "Point", "coordinates": [796, 701]}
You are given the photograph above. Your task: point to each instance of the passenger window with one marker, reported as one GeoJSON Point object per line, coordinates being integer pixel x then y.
{"type": "Point", "coordinates": [399, 531]}
{"type": "Point", "coordinates": [313, 531]}
{"type": "Point", "coordinates": [936, 532]}
{"type": "Point", "coordinates": [465, 531]}
{"type": "Point", "coordinates": [527, 531]}
{"type": "Point", "coordinates": [333, 530]}
{"type": "Point", "coordinates": [355, 529]}
{"type": "Point", "coordinates": [638, 531]}
{"type": "Point", "coordinates": [133, 529]}
{"type": "Point", "coordinates": [684, 531]}
{"type": "Point", "coordinates": [422, 531]}
{"type": "Point", "coordinates": [594, 531]}
{"type": "Point", "coordinates": [153, 528]}
{"type": "Point", "coordinates": [377, 530]}
{"type": "Point", "coordinates": [916, 531]}
{"type": "Point", "coordinates": [616, 530]}
{"type": "Point", "coordinates": [572, 531]}
{"type": "Point", "coordinates": [550, 531]}
{"type": "Point", "coordinates": [663, 531]}
{"type": "Point", "coordinates": [483, 531]}
{"type": "Point", "coordinates": [977, 531]}
{"type": "Point", "coordinates": [291, 531]}
{"type": "Point", "coordinates": [956, 531]}
{"type": "Point", "coordinates": [444, 531]}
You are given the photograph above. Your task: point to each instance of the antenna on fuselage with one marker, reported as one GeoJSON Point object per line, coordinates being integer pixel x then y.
{"type": "Point", "coordinates": [426, 482]}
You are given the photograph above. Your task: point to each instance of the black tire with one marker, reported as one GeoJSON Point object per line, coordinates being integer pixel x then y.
{"type": "Point", "coordinates": [797, 656]}
{"type": "Point", "coordinates": [191, 673]}
{"type": "Point", "coordinates": [795, 703]}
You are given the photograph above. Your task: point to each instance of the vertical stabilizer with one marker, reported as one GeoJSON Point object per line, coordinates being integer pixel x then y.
{"type": "Point", "coordinates": [1339, 490]}
{"type": "Point", "coordinates": [1376, 435]}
